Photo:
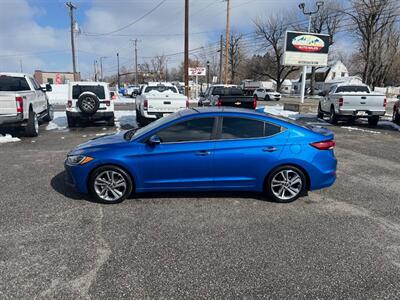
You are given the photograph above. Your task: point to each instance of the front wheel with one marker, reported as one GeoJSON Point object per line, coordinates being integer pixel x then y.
{"type": "Point", "coordinates": [396, 116]}
{"type": "Point", "coordinates": [110, 184]}
{"type": "Point", "coordinates": [320, 112]}
{"type": "Point", "coordinates": [286, 184]}
{"type": "Point", "coordinates": [333, 119]}
{"type": "Point", "coordinates": [267, 98]}
{"type": "Point", "coordinates": [49, 114]}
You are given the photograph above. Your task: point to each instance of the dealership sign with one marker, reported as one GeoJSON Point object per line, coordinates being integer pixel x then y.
{"type": "Point", "coordinates": [306, 49]}
{"type": "Point", "coordinates": [199, 71]}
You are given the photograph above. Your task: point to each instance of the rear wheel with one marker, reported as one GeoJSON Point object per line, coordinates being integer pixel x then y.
{"type": "Point", "coordinates": [266, 98]}
{"type": "Point", "coordinates": [373, 121]}
{"type": "Point", "coordinates": [286, 184]}
{"type": "Point", "coordinates": [110, 184]}
{"type": "Point", "coordinates": [333, 119]}
{"type": "Point", "coordinates": [111, 121]}
{"type": "Point", "coordinates": [32, 128]}
{"type": "Point", "coordinates": [71, 121]}
{"type": "Point", "coordinates": [396, 116]}
{"type": "Point", "coordinates": [320, 114]}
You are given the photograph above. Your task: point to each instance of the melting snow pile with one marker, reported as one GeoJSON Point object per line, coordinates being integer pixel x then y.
{"type": "Point", "coordinates": [8, 139]}
{"type": "Point", "coordinates": [277, 110]}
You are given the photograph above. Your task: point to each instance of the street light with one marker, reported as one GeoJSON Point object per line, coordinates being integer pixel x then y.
{"type": "Point", "coordinates": [302, 7]}
{"type": "Point", "coordinates": [208, 73]}
{"type": "Point", "coordinates": [101, 67]}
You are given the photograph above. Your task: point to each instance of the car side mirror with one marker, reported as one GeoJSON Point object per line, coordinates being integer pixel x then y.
{"type": "Point", "coordinates": [154, 140]}
{"type": "Point", "coordinates": [48, 88]}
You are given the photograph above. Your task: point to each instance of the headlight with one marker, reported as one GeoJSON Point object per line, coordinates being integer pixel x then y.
{"type": "Point", "coordinates": [74, 160]}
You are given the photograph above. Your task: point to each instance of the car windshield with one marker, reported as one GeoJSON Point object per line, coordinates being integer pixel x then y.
{"type": "Point", "coordinates": [98, 90]}
{"type": "Point", "coordinates": [160, 88]}
{"type": "Point", "coordinates": [143, 130]}
{"type": "Point", "coordinates": [352, 89]}
{"type": "Point", "coordinates": [13, 84]}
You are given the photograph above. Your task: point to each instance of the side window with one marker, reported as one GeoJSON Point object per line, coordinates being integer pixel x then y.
{"type": "Point", "coordinates": [36, 86]}
{"type": "Point", "coordinates": [243, 128]}
{"type": "Point", "coordinates": [192, 130]}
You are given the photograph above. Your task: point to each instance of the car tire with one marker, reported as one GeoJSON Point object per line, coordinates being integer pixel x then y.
{"type": "Point", "coordinates": [320, 114]}
{"type": "Point", "coordinates": [133, 95]}
{"type": "Point", "coordinates": [351, 120]}
{"type": "Point", "coordinates": [267, 98]}
{"type": "Point", "coordinates": [88, 103]}
{"type": "Point", "coordinates": [111, 121]}
{"type": "Point", "coordinates": [110, 184]}
{"type": "Point", "coordinates": [286, 184]}
{"type": "Point", "coordinates": [71, 121]}
{"type": "Point", "coordinates": [49, 114]}
{"type": "Point", "coordinates": [333, 118]}
{"type": "Point", "coordinates": [256, 97]}
{"type": "Point", "coordinates": [396, 116]}
{"type": "Point", "coordinates": [373, 121]}
{"type": "Point", "coordinates": [32, 127]}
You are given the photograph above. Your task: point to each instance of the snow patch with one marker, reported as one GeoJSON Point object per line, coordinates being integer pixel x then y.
{"type": "Point", "coordinates": [59, 122]}
{"type": "Point", "coordinates": [8, 138]}
{"type": "Point", "coordinates": [360, 129]}
{"type": "Point", "coordinates": [277, 110]}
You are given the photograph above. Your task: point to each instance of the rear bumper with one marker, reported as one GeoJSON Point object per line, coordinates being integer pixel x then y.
{"type": "Point", "coordinates": [8, 120]}
{"type": "Point", "coordinates": [355, 113]}
{"type": "Point", "coordinates": [97, 116]}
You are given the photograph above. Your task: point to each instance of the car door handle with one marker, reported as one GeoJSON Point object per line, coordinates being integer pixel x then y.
{"type": "Point", "coordinates": [203, 153]}
{"type": "Point", "coordinates": [270, 149]}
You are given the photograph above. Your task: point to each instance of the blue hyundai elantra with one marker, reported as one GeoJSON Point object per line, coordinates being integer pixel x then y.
{"type": "Point", "coordinates": [206, 149]}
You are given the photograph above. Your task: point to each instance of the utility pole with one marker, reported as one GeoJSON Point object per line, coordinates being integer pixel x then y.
{"type": "Point", "coordinates": [220, 58]}
{"type": "Point", "coordinates": [186, 61]}
{"type": "Point", "coordinates": [95, 70]}
{"type": "Point", "coordinates": [20, 65]}
{"type": "Point", "coordinates": [101, 67]}
{"type": "Point", "coordinates": [136, 70]}
{"type": "Point", "coordinates": [227, 41]}
{"type": "Point", "coordinates": [72, 22]}
{"type": "Point", "coordinates": [119, 83]}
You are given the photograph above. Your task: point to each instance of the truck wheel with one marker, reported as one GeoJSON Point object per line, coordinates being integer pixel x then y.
{"type": "Point", "coordinates": [373, 121]}
{"type": "Point", "coordinates": [50, 113]}
{"type": "Point", "coordinates": [111, 121]}
{"type": "Point", "coordinates": [320, 114]}
{"type": "Point", "coordinates": [396, 116]}
{"type": "Point", "coordinates": [32, 128]}
{"type": "Point", "coordinates": [71, 122]}
{"type": "Point", "coordinates": [333, 118]}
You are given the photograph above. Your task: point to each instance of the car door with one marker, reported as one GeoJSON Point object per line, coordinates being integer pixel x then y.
{"type": "Point", "coordinates": [183, 159]}
{"type": "Point", "coordinates": [40, 101]}
{"type": "Point", "coordinates": [245, 151]}
{"type": "Point", "coordinates": [327, 100]}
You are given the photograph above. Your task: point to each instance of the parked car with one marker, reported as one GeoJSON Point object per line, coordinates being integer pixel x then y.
{"type": "Point", "coordinates": [23, 102]}
{"type": "Point", "coordinates": [350, 102]}
{"type": "Point", "coordinates": [267, 95]}
{"type": "Point", "coordinates": [132, 91]}
{"type": "Point", "coordinates": [227, 95]}
{"type": "Point", "coordinates": [157, 100]}
{"type": "Point", "coordinates": [90, 101]}
{"type": "Point", "coordinates": [396, 111]}
{"type": "Point", "coordinates": [205, 149]}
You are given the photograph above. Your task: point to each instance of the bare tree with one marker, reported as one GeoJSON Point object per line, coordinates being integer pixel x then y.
{"type": "Point", "coordinates": [158, 64]}
{"type": "Point", "coordinates": [272, 32]}
{"type": "Point", "coordinates": [375, 27]}
{"type": "Point", "coordinates": [235, 54]}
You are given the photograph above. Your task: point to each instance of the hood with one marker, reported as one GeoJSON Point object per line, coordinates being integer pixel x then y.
{"type": "Point", "coordinates": [100, 142]}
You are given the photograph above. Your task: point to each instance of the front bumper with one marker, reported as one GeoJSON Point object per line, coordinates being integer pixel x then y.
{"type": "Point", "coordinates": [77, 177]}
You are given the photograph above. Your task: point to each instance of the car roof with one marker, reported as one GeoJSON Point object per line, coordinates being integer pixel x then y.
{"type": "Point", "coordinates": [11, 74]}
{"type": "Point", "coordinates": [223, 109]}
{"type": "Point", "coordinates": [88, 83]}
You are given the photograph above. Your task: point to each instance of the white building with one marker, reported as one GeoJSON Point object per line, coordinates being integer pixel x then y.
{"type": "Point", "coordinates": [336, 71]}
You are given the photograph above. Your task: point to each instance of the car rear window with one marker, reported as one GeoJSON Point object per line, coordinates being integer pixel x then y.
{"type": "Point", "coordinates": [77, 90]}
{"type": "Point", "coordinates": [13, 84]}
{"type": "Point", "coordinates": [352, 89]}
{"type": "Point", "coordinates": [160, 88]}
{"type": "Point", "coordinates": [227, 91]}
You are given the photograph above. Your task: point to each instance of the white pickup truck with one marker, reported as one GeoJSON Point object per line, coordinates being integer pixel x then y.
{"type": "Point", "coordinates": [23, 102]}
{"type": "Point", "coordinates": [350, 102]}
{"type": "Point", "coordinates": [156, 100]}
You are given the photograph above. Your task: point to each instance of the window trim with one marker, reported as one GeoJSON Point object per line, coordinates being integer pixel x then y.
{"type": "Point", "coordinates": [212, 137]}
{"type": "Point", "coordinates": [220, 123]}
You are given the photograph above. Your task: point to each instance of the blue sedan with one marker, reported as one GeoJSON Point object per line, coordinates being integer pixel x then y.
{"type": "Point", "coordinates": [206, 149]}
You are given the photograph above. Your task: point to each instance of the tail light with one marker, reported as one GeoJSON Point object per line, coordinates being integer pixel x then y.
{"type": "Point", "coordinates": [385, 102]}
{"type": "Point", "coordinates": [325, 145]}
{"type": "Point", "coordinates": [69, 103]}
{"type": "Point", "coordinates": [254, 102]}
{"type": "Point", "coordinates": [145, 104]}
{"type": "Point", "coordinates": [114, 97]}
{"type": "Point", "coordinates": [20, 104]}
{"type": "Point", "coordinates": [187, 103]}
{"type": "Point", "coordinates": [219, 102]}
{"type": "Point", "coordinates": [341, 100]}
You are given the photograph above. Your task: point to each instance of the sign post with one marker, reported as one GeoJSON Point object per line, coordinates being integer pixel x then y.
{"type": "Point", "coordinates": [198, 71]}
{"type": "Point", "coordinates": [305, 49]}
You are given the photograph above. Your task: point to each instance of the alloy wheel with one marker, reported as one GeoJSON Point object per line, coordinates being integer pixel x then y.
{"type": "Point", "coordinates": [36, 123]}
{"type": "Point", "coordinates": [110, 185]}
{"type": "Point", "coordinates": [286, 184]}
{"type": "Point", "coordinates": [88, 104]}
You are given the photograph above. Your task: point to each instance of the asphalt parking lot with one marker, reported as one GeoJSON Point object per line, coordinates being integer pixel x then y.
{"type": "Point", "coordinates": [342, 242]}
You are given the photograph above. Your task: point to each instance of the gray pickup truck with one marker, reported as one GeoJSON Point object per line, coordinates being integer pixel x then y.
{"type": "Point", "coordinates": [227, 95]}
{"type": "Point", "coordinates": [23, 103]}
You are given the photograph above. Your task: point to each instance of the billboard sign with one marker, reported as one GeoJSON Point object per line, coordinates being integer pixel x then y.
{"type": "Point", "coordinates": [306, 49]}
{"type": "Point", "coordinates": [198, 71]}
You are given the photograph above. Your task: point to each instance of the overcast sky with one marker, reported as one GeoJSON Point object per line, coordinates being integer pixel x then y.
{"type": "Point", "coordinates": [35, 33]}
